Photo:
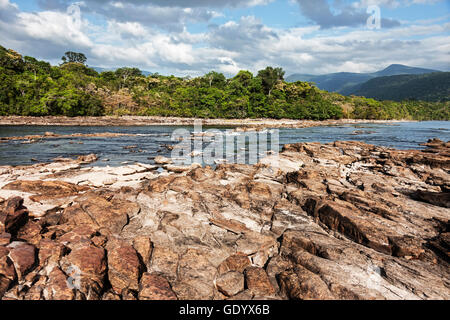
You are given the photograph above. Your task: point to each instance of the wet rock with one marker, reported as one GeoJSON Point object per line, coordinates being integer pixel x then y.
{"type": "Point", "coordinates": [155, 287]}
{"type": "Point", "coordinates": [87, 158]}
{"type": "Point", "coordinates": [181, 169]}
{"type": "Point", "coordinates": [162, 160]}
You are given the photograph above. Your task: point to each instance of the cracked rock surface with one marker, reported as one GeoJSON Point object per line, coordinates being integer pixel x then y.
{"type": "Point", "coordinates": [344, 220]}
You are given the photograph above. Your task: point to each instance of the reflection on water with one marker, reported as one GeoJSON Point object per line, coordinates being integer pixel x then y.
{"type": "Point", "coordinates": [149, 141]}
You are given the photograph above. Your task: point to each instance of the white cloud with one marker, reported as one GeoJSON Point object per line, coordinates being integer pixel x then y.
{"type": "Point", "coordinates": [245, 43]}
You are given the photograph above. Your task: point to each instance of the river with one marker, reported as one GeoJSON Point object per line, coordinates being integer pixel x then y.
{"type": "Point", "coordinates": [148, 141]}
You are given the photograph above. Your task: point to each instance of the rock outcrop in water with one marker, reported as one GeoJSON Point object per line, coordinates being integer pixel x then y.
{"type": "Point", "coordinates": [344, 220]}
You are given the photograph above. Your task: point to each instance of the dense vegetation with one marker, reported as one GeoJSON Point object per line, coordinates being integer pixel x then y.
{"type": "Point", "coordinates": [32, 87]}
{"type": "Point", "coordinates": [427, 87]}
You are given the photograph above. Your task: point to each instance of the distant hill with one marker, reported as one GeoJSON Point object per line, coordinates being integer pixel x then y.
{"type": "Point", "coordinates": [344, 82]}
{"type": "Point", "coordinates": [100, 70]}
{"type": "Point", "coordinates": [426, 87]}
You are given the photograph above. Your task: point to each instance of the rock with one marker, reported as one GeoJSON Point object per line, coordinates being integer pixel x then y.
{"type": "Point", "coordinates": [124, 268]}
{"type": "Point", "coordinates": [164, 262]}
{"type": "Point", "coordinates": [23, 256]}
{"type": "Point", "coordinates": [342, 220]}
{"type": "Point", "coordinates": [88, 265]}
{"type": "Point", "coordinates": [441, 199]}
{"type": "Point", "coordinates": [104, 212]}
{"type": "Point", "coordinates": [30, 232]}
{"type": "Point", "coordinates": [230, 283]}
{"type": "Point", "coordinates": [5, 238]}
{"type": "Point", "coordinates": [12, 215]}
{"type": "Point", "coordinates": [162, 160]}
{"type": "Point", "coordinates": [181, 169]}
{"type": "Point", "coordinates": [59, 287]}
{"type": "Point", "coordinates": [258, 282]}
{"type": "Point", "coordinates": [238, 262]}
{"type": "Point", "coordinates": [88, 158]}
{"type": "Point", "coordinates": [155, 287]}
{"type": "Point", "coordinates": [50, 252]}
{"type": "Point", "coordinates": [302, 284]}
{"type": "Point", "coordinates": [45, 189]}
{"type": "Point", "coordinates": [144, 248]}
{"type": "Point", "coordinates": [7, 271]}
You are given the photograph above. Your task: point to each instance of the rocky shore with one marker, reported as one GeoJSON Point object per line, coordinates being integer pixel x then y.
{"type": "Point", "coordinates": [167, 121]}
{"type": "Point", "coordinates": [344, 220]}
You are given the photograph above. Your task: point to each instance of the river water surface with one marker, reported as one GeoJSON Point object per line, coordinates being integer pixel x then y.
{"type": "Point", "coordinates": [149, 140]}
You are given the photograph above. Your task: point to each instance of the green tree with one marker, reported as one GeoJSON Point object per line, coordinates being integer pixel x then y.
{"type": "Point", "coordinates": [74, 57]}
{"type": "Point", "coordinates": [270, 77]}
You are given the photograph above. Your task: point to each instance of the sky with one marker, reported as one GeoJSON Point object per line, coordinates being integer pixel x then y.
{"type": "Point", "coordinates": [193, 37]}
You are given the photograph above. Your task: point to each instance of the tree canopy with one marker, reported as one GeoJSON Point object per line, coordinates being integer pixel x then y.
{"type": "Point", "coordinates": [32, 87]}
{"type": "Point", "coordinates": [74, 57]}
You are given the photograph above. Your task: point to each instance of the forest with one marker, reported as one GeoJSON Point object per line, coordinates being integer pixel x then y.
{"type": "Point", "coordinates": [30, 87]}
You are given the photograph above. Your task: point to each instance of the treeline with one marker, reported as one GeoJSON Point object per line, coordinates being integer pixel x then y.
{"type": "Point", "coordinates": [32, 87]}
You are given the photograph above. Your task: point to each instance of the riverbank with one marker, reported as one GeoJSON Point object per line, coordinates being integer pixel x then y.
{"type": "Point", "coordinates": [174, 121]}
{"type": "Point", "coordinates": [342, 220]}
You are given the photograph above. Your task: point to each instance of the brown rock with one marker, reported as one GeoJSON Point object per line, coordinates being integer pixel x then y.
{"type": "Point", "coordinates": [7, 272]}
{"type": "Point", "coordinates": [81, 233]}
{"type": "Point", "coordinates": [230, 283]}
{"type": "Point", "coordinates": [165, 262]}
{"type": "Point", "coordinates": [45, 189]}
{"type": "Point", "coordinates": [50, 252]}
{"type": "Point", "coordinates": [110, 296]}
{"type": "Point", "coordinates": [30, 232]}
{"type": "Point", "coordinates": [237, 262]}
{"type": "Point", "coordinates": [144, 248]}
{"type": "Point", "coordinates": [302, 284]}
{"type": "Point", "coordinates": [87, 158]}
{"type": "Point", "coordinates": [59, 287]}
{"type": "Point", "coordinates": [12, 215]}
{"type": "Point", "coordinates": [162, 160]}
{"type": "Point", "coordinates": [155, 287]}
{"type": "Point", "coordinates": [258, 282]}
{"type": "Point", "coordinates": [23, 256]}
{"type": "Point", "coordinates": [5, 238]}
{"type": "Point", "coordinates": [101, 212]}
{"type": "Point", "coordinates": [124, 268]}
{"type": "Point", "coordinates": [88, 264]}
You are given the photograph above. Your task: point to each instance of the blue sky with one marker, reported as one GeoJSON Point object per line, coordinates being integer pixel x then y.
{"type": "Point", "coordinates": [191, 37]}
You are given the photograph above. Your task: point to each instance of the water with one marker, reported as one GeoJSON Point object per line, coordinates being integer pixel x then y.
{"type": "Point", "coordinates": [150, 140]}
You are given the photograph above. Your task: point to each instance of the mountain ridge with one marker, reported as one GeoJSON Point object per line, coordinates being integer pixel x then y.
{"type": "Point", "coordinates": [343, 81]}
{"type": "Point", "coordinates": [427, 87]}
